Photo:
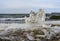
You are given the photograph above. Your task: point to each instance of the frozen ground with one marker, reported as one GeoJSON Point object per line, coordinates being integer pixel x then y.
{"type": "Point", "coordinates": [16, 26]}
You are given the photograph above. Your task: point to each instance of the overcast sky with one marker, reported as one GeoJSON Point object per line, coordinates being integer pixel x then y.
{"type": "Point", "coordinates": [25, 6]}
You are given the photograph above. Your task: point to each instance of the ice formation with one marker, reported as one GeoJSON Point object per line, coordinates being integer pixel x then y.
{"type": "Point", "coordinates": [33, 29]}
